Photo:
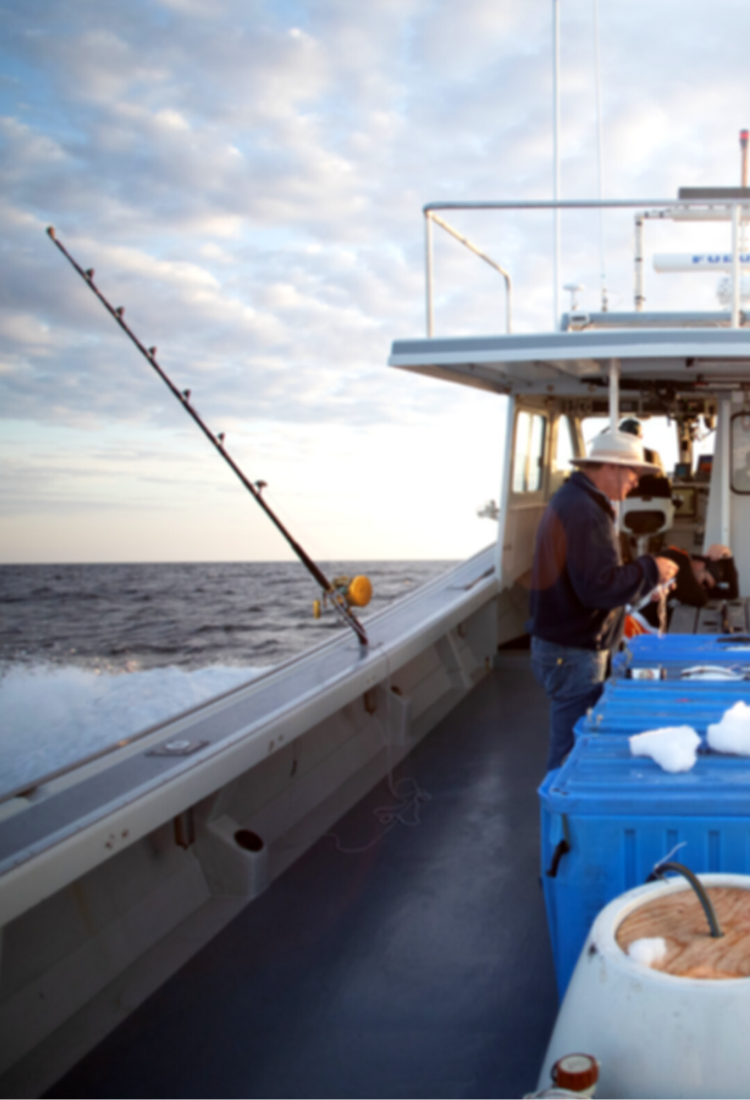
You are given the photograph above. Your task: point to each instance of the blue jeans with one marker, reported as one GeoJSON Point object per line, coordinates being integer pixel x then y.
{"type": "Point", "coordinates": [573, 679]}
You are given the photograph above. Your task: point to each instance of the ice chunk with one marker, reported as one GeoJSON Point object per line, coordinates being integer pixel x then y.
{"type": "Point", "coordinates": [647, 951]}
{"type": "Point", "coordinates": [732, 733]}
{"type": "Point", "coordinates": [674, 748]}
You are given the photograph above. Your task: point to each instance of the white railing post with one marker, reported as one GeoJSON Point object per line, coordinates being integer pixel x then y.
{"type": "Point", "coordinates": [428, 269]}
{"type": "Point", "coordinates": [735, 265]}
{"type": "Point", "coordinates": [640, 297]}
{"type": "Point", "coordinates": [482, 256]}
{"type": "Point", "coordinates": [614, 393]}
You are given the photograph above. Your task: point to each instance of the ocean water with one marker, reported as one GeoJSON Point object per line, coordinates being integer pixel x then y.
{"type": "Point", "coordinates": [90, 654]}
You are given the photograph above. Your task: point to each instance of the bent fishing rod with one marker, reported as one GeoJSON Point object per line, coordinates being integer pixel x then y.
{"type": "Point", "coordinates": [335, 591]}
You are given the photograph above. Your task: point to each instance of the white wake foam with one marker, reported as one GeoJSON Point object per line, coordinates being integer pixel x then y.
{"type": "Point", "coordinates": [52, 717]}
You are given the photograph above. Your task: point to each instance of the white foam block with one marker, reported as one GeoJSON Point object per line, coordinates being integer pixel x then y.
{"type": "Point", "coordinates": [732, 733]}
{"type": "Point", "coordinates": [674, 748]}
{"type": "Point", "coordinates": [647, 951]}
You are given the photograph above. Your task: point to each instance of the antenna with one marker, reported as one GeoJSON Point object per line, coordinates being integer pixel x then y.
{"type": "Point", "coordinates": [574, 290]}
{"type": "Point", "coordinates": [600, 156]}
{"type": "Point", "coordinates": [556, 154]}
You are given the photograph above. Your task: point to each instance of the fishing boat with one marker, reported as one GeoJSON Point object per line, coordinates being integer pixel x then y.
{"type": "Point", "coordinates": [326, 882]}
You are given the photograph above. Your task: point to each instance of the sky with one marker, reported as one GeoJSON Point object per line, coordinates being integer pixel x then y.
{"type": "Point", "coordinates": [246, 177]}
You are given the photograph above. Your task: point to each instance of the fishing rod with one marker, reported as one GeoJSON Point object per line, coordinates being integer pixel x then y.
{"type": "Point", "coordinates": [341, 592]}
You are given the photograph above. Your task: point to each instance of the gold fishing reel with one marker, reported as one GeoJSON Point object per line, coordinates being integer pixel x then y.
{"type": "Point", "coordinates": [346, 592]}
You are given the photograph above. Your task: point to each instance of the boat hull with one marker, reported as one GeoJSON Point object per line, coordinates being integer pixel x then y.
{"type": "Point", "coordinates": [114, 875]}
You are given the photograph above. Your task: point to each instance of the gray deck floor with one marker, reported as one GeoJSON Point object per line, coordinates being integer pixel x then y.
{"type": "Point", "coordinates": [420, 967]}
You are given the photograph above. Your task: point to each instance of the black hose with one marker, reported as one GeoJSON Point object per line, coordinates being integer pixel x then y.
{"type": "Point", "coordinates": [703, 898]}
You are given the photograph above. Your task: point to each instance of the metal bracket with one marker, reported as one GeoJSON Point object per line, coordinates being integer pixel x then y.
{"type": "Point", "coordinates": [177, 748]}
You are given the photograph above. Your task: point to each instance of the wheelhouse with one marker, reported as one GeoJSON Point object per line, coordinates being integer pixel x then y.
{"type": "Point", "coordinates": [685, 375]}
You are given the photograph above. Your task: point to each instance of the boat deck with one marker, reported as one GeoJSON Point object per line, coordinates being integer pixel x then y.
{"type": "Point", "coordinates": [419, 966]}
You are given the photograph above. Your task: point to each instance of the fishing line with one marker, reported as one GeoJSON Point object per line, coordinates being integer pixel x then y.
{"type": "Point", "coordinates": [183, 396]}
{"type": "Point", "coordinates": [668, 857]}
{"type": "Point", "coordinates": [390, 816]}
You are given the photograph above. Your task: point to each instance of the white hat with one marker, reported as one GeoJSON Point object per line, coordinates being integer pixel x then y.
{"type": "Point", "coordinates": [618, 449]}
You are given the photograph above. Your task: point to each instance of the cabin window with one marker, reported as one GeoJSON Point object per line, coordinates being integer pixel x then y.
{"type": "Point", "coordinates": [563, 445]}
{"type": "Point", "coordinates": [528, 457]}
{"type": "Point", "coordinates": [740, 445]}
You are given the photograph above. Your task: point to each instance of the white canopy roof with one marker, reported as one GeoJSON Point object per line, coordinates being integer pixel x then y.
{"type": "Point", "coordinates": [577, 363]}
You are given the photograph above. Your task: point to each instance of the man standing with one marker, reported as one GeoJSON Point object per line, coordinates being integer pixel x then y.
{"type": "Point", "coordinates": [580, 587]}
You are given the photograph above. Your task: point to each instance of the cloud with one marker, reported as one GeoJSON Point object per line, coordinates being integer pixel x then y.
{"type": "Point", "coordinates": [247, 177]}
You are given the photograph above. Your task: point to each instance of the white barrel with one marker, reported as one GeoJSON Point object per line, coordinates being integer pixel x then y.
{"type": "Point", "coordinates": [653, 1034]}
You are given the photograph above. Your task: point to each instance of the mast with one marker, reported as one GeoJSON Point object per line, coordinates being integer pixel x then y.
{"type": "Point", "coordinates": [600, 157]}
{"type": "Point", "coordinates": [556, 155]}
{"type": "Point", "coordinates": [743, 183]}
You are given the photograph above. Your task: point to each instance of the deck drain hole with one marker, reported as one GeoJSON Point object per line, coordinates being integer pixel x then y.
{"type": "Point", "coordinates": [248, 840]}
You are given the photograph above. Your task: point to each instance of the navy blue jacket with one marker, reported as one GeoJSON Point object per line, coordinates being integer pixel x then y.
{"type": "Point", "coordinates": [578, 586]}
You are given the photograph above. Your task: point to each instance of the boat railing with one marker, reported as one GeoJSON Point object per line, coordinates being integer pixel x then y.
{"type": "Point", "coordinates": [394, 630]}
{"type": "Point", "coordinates": [693, 204]}
{"type": "Point", "coordinates": [430, 217]}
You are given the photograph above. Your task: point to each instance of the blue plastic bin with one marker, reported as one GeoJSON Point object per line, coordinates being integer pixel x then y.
{"type": "Point", "coordinates": [609, 817]}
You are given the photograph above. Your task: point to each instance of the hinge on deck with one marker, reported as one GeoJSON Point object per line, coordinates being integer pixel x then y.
{"type": "Point", "coordinates": [177, 748]}
{"type": "Point", "coordinates": [184, 829]}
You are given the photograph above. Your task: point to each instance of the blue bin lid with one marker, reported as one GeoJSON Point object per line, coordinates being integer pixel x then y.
{"type": "Point", "coordinates": [602, 778]}
{"type": "Point", "coordinates": [683, 650]}
{"type": "Point", "coordinates": [633, 706]}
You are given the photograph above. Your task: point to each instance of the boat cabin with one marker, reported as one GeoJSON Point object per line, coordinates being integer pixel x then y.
{"type": "Point", "coordinates": [684, 375]}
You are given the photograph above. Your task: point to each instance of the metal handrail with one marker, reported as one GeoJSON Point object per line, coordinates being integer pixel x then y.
{"type": "Point", "coordinates": [431, 217]}
{"type": "Point", "coordinates": [737, 208]}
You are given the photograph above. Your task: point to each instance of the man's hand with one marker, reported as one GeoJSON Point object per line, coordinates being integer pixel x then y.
{"type": "Point", "coordinates": [667, 569]}
{"type": "Point", "coordinates": [716, 552]}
